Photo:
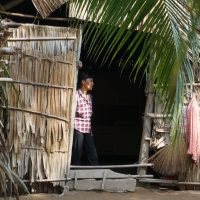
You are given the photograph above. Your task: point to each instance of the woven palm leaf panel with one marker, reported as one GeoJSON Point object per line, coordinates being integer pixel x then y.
{"type": "Point", "coordinates": [46, 7]}
{"type": "Point", "coordinates": [40, 111]}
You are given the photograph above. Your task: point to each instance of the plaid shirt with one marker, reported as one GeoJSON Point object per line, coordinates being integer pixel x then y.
{"type": "Point", "coordinates": [83, 113]}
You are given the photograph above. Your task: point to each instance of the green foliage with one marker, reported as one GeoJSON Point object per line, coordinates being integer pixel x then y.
{"type": "Point", "coordinates": [167, 30]}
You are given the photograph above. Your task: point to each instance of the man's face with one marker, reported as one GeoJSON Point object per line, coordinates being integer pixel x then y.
{"type": "Point", "coordinates": [88, 84]}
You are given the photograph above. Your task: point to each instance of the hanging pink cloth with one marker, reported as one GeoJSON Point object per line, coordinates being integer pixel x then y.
{"type": "Point", "coordinates": [193, 129]}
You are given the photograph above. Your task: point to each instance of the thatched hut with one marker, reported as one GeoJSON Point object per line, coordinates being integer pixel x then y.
{"type": "Point", "coordinates": [41, 107]}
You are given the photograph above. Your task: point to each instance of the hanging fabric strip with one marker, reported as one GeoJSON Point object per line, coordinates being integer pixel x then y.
{"type": "Point", "coordinates": [193, 129]}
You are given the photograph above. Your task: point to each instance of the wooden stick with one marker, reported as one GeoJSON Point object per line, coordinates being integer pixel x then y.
{"type": "Point", "coordinates": [36, 17]}
{"type": "Point", "coordinates": [40, 39]}
{"type": "Point", "coordinates": [147, 128]}
{"type": "Point", "coordinates": [158, 181]}
{"type": "Point", "coordinates": [7, 51]}
{"type": "Point", "coordinates": [111, 166]}
{"type": "Point", "coordinates": [188, 183]}
{"type": "Point", "coordinates": [47, 180]}
{"type": "Point", "coordinates": [155, 115]}
{"type": "Point", "coordinates": [51, 60]}
{"type": "Point", "coordinates": [35, 112]}
{"type": "Point", "coordinates": [68, 179]}
{"type": "Point", "coordinates": [6, 79]}
{"type": "Point", "coordinates": [6, 25]}
{"type": "Point", "coordinates": [38, 84]}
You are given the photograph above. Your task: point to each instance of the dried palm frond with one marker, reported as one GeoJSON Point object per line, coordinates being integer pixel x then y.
{"type": "Point", "coordinates": [172, 159]}
{"type": "Point", "coordinates": [8, 179]}
{"type": "Point", "coordinates": [45, 8]}
{"type": "Point", "coordinates": [191, 175]}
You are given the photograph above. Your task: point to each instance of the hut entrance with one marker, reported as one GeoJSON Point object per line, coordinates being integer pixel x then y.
{"type": "Point", "coordinates": [117, 116]}
{"type": "Point", "coordinates": [118, 111]}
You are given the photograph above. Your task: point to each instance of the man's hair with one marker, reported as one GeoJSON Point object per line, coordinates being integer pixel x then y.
{"type": "Point", "coordinates": [83, 75]}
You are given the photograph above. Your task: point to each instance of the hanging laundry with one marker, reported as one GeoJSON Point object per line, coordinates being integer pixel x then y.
{"type": "Point", "coordinates": [193, 129]}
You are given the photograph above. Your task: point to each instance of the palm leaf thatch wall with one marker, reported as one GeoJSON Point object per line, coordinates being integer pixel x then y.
{"type": "Point", "coordinates": [8, 178]}
{"type": "Point", "coordinates": [40, 114]}
{"type": "Point", "coordinates": [45, 8]}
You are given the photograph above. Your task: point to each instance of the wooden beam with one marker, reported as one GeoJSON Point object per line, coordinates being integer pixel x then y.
{"type": "Point", "coordinates": [147, 128]}
{"type": "Point", "coordinates": [111, 166]}
{"type": "Point", "coordinates": [156, 115]}
{"type": "Point", "coordinates": [12, 4]}
{"type": "Point", "coordinates": [7, 51]}
{"type": "Point", "coordinates": [99, 173]}
{"type": "Point", "coordinates": [40, 39]}
{"type": "Point", "coordinates": [35, 112]}
{"type": "Point", "coordinates": [35, 17]}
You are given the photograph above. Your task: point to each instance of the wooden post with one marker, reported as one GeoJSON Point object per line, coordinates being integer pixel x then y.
{"type": "Point", "coordinates": [77, 46]}
{"type": "Point", "coordinates": [146, 133]}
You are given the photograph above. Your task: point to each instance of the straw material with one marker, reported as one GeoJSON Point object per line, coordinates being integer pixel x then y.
{"type": "Point", "coordinates": [172, 159]}
{"type": "Point", "coordinates": [39, 144]}
{"type": "Point", "coordinates": [45, 8]}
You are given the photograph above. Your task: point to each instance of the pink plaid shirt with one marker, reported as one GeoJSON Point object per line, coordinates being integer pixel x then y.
{"type": "Point", "coordinates": [83, 113]}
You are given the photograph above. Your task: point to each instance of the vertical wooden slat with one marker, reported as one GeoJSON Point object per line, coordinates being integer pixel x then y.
{"type": "Point", "coordinates": [146, 133]}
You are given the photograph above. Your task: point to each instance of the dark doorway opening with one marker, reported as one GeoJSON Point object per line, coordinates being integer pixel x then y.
{"type": "Point", "coordinates": [117, 120]}
{"type": "Point", "coordinates": [118, 107]}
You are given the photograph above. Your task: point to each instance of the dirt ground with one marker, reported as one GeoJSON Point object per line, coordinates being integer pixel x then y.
{"type": "Point", "coordinates": [140, 194]}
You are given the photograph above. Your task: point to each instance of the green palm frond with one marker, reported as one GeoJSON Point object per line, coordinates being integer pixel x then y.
{"type": "Point", "coordinates": [167, 32]}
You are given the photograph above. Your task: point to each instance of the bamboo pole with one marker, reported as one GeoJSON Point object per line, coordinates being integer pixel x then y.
{"type": "Point", "coordinates": [68, 179]}
{"type": "Point", "coordinates": [111, 166]}
{"type": "Point", "coordinates": [77, 46]}
{"type": "Point", "coordinates": [5, 79]}
{"type": "Point", "coordinates": [48, 59]}
{"type": "Point", "coordinates": [35, 112]}
{"type": "Point", "coordinates": [37, 84]}
{"type": "Point", "coordinates": [188, 183]}
{"type": "Point", "coordinates": [36, 17]}
{"type": "Point", "coordinates": [156, 115]}
{"type": "Point", "coordinates": [6, 25]}
{"type": "Point", "coordinates": [146, 133]}
{"type": "Point", "coordinates": [7, 51]}
{"type": "Point", "coordinates": [40, 39]}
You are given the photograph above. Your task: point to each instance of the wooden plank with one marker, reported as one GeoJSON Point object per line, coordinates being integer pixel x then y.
{"type": "Point", "coordinates": [99, 173]}
{"type": "Point", "coordinates": [116, 185]}
{"type": "Point", "coordinates": [111, 166]}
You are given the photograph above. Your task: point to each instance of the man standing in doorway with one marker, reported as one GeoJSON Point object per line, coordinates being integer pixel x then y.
{"type": "Point", "coordinates": [83, 137]}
